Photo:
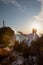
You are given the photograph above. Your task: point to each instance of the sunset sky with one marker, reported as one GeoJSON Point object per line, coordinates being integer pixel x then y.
{"type": "Point", "coordinates": [22, 15]}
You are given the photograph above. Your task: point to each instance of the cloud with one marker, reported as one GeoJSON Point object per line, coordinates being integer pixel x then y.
{"type": "Point", "coordinates": [19, 6]}
{"type": "Point", "coordinates": [7, 1]}
{"type": "Point", "coordinates": [14, 2]}
{"type": "Point", "coordinates": [40, 15]}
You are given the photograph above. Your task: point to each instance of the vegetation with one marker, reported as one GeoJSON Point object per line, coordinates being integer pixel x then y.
{"type": "Point", "coordinates": [5, 35]}
{"type": "Point", "coordinates": [6, 58]}
{"type": "Point", "coordinates": [37, 46]}
{"type": "Point", "coordinates": [37, 49]}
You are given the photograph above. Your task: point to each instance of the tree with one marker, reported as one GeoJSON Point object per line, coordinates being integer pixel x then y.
{"type": "Point", "coordinates": [16, 46]}
{"type": "Point", "coordinates": [37, 49]}
{"type": "Point", "coordinates": [24, 49]}
{"type": "Point", "coordinates": [7, 39]}
{"type": "Point", "coordinates": [6, 34]}
{"type": "Point", "coordinates": [37, 46]}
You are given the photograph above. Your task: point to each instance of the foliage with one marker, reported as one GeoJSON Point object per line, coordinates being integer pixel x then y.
{"type": "Point", "coordinates": [16, 46]}
{"type": "Point", "coordinates": [5, 35]}
{"type": "Point", "coordinates": [22, 48]}
{"type": "Point", "coordinates": [37, 46]}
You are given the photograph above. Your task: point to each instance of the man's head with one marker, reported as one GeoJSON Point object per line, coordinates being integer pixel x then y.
{"type": "Point", "coordinates": [34, 30]}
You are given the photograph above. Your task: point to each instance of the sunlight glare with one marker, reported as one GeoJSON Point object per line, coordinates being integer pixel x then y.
{"type": "Point", "coordinates": [36, 25]}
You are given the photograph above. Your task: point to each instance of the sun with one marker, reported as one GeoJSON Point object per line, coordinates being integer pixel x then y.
{"type": "Point", "coordinates": [36, 25]}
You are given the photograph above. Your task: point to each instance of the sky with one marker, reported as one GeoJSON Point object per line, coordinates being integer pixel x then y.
{"type": "Point", "coordinates": [22, 15]}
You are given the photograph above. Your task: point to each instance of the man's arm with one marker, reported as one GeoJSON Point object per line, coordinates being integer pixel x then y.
{"type": "Point", "coordinates": [22, 33]}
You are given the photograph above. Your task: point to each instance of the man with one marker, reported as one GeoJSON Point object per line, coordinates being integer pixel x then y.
{"type": "Point", "coordinates": [31, 37]}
